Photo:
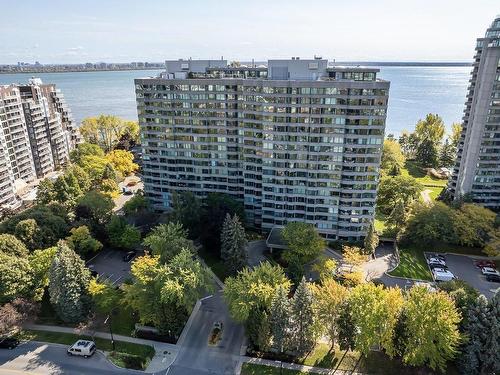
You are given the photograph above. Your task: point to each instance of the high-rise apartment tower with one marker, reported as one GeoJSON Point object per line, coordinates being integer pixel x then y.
{"type": "Point", "coordinates": [294, 140]}
{"type": "Point", "coordinates": [477, 169]}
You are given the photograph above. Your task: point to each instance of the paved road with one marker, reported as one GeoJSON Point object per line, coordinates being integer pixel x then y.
{"type": "Point", "coordinates": [110, 266]}
{"type": "Point", "coordinates": [37, 358]}
{"type": "Point", "coordinates": [196, 356]}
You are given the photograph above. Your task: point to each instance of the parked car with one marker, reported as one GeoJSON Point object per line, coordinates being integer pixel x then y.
{"type": "Point", "coordinates": [441, 274]}
{"type": "Point", "coordinates": [8, 342]}
{"type": "Point", "coordinates": [438, 256]}
{"type": "Point", "coordinates": [437, 265]}
{"type": "Point", "coordinates": [129, 256]}
{"type": "Point", "coordinates": [493, 278]}
{"type": "Point", "coordinates": [436, 261]}
{"type": "Point", "coordinates": [92, 270]}
{"type": "Point", "coordinates": [489, 271]}
{"type": "Point", "coordinates": [84, 348]}
{"type": "Point", "coordinates": [485, 263]}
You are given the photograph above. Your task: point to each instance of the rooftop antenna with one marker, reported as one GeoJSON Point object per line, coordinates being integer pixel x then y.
{"type": "Point", "coordinates": [253, 63]}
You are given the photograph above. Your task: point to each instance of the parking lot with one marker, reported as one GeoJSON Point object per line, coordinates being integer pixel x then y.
{"type": "Point", "coordinates": [110, 266]}
{"type": "Point", "coordinates": [463, 268]}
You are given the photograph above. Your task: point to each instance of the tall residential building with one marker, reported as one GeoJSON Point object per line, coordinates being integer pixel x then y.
{"type": "Point", "coordinates": [477, 169]}
{"type": "Point", "coordinates": [36, 135]}
{"type": "Point", "coordinates": [294, 140]}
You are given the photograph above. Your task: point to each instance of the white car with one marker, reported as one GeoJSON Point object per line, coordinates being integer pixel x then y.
{"type": "Point", "coordinates": [84, 348]}
{"type": "Point", "coordinates": [489, 271]}
{"type": "Point", "coordinates": [440, 274]}
{"type": "Point", "coordinates": [436, 261]}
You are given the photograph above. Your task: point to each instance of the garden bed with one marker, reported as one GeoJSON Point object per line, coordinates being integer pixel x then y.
{"type": "Point", "coordinates": [412, 264]}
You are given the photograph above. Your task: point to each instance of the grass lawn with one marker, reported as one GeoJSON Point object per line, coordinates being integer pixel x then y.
{"type": "Point", "coordinates": [251, 369]}
{"type": "Point", "coordinates": [435, 191]}
{"type": "Point", "coordinates": [412, 264]}
{"type": "Point", "coordinates": [413, 169]}
{"type": "Point", "coordinates": [125, 354]}
{"type": "Point", "coordinates": [215, 264]}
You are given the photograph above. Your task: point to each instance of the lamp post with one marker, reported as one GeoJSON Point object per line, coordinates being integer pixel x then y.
{"type": "Point", "coordinates": [110, 329]}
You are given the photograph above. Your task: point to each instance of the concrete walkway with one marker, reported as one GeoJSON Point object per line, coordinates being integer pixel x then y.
{"type": "Point", "coordinates": [296, 367]}
{"type": "Point", "coordinates": [165, 353]}
{"type": "Point", "coordinates": [384, 261]}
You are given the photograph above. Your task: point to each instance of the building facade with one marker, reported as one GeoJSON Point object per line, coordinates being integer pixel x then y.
{"type": "Point", "coordinates": [477, 169]}
{"type": "Point", "coordinates": [36, 135]}
{"type": "Point", "coordinates": [294, 140]}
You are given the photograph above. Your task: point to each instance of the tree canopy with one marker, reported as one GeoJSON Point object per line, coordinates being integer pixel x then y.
{"type": "Point", "coordinates": [393, 159]}
{"type": "Point", "coordinates": [106, 130]}
{"type": "Point", "coordinates": [396, 189]}
{"type": "Point", "coordinates": [304, 244]}
{"type": "Point", "coordinates": [168, 240]}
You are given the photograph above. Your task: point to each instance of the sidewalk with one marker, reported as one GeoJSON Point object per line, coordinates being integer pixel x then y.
{"type": "Point", "coordinates": [296, 367]}
{"type": "Point", "coordinates": [164, 353]}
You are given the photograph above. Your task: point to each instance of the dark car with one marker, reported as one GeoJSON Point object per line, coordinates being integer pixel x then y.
{"type": "Point", "coordinates": [493, 278]}
{"type": "Point", "coordinates": [9, 343]}
{"type": "Point", "coordinates": [129, 256]}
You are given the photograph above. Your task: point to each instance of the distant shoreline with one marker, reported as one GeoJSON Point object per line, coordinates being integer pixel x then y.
{"type": "Point", "coordinates": [349, 63]}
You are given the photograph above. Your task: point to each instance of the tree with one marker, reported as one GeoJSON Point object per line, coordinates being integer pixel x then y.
{"type": "Point", "coordinates": [10, 245]}
{"type": "Point", "coordinates": [253, 289]}
{"type": "Point", "coordinates": [473, 224]}
{"type": "Point", "coordinates": [122, 162]}
{"type": "Point", "coordinates": [463, 295]}
{"type": "Point", "coordinates": [121, 234]}
{"type": "Point", "coordinates": [456, 133]}
{"type": "Point", "coordinates": [302, 315]}
{"type": "Point", "coordinates": [430, 329]}
{"type": "Point", "coordinates": [346, 328]}
{"type": "Point", "coordinates": [393, 159]}
{"type": "Point", "coordinates": [328, 299]}
{"type": "Point", "coordinates": [304, 244]}
{"type": "Point", "coordinates": [95, 209]}
{"type": "Point", "coordinates": [109, 173]}
{"type": "Point", "coordinates": [82, 242]}
{"type": "Point", "coordinates": [68, 285]}
{"type": "Point", "coordinates": [398, 217]}
{"type": "Point", "coordinates": [104, 130]}
{"type": "Point", "coordinates": [353, 255]}
{"type": "Point", "coordinates": [67, 189]}
{"type": "Point", "coordinates": [447, 154]}
{"type": "Point", "coordinates": [187, 210]}
{"type": "Point", "coordinates": [85, 149]}
{"type": "Point", "coordinates": [408, 142]}
{"type": "Point", "coordinates": [279, 319]}
{"type": "Point", "coordinates": [428, 154]}
{"type": "Point", "coordinates": [15, 277]}
{"type": "Point", "coordinates": [164, 294]}
{"type": "Point", "coordinates": [325, 267]}
{"type": "Point", "coordinates": [492, 248]}
{"type": "Point", "coordinates": [217, 206]}
{"type": "Point", "coordinates": [393, 190]}
{"type": "Point", "coordinates": [137, 204]}
{"type": "Point", "coordinates": [130, 137]}
{"type": "Point", "coordinates": [431, 129]}
{"type": "Point", "coordinates": [258, 329]}
{"type": "Point", "coordinates": [94, 166]}
{"type": "Point", "coordinates": [40, 262]}
{"type": "Point", "coordinates": [28, 231]}
{"type": "Point", "coordinates": [371, 240]}
{"type": "Point", "coordinates": [167, 240]}
{"type": "Point", "coordinates": [109, 187]}
{"type": "Point", "coordinates": [234, 242]}
{"type": "Point", "coordinates": [45, 192]}
{"type": "Point", "coordinates": [492, 361]}
{"type": "Point", "coordinates": [376, 328]}
{"type": "Point", "coordinates": [14, 314]}
{"type": "Point", "coordinates": [476, 351]}
{"type": "Point", "coordinates": [104, 295]}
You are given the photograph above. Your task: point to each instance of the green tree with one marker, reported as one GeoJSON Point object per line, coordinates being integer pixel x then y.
{"type": "Point", "coordinates": [492, 362]}
{"type": "Point", "coordinates": [371, 240]}
{"type": "Point", "coordinates": [473, 224]}
{"type": "Point", "coordinates": [94, 166]}
{"type": "Point", "coordinates": [94, 209]}
{"type": "Point", "coordinates": [85, 149]}
{"type": "Point", "coordinates": [104, 296]}
{"type": "Point", "coordinates": [15, 277]}
{"type": "Point", "coordinates": [398, 217]}
{"type": "Point", "coordinates": [40, 262]}
{"type": "Point", "coordinates": [279, 319]}
{"type": "Point", "coordinates": [258, 329]}
{"type": "Point", "coordinates": [456, 133]}
{"type": "Point", "coordinates": [68, 285]}
{"type": "Point", "coordinates": [82, 241]}
{"type": "Point", "coordinates": [109, 173]}
{"type": "Point", "coordinates": [122, 162]}
{"type": "Point", "coordinates": [428, 154]}
{"type": "Point", "coordinates": [167, 240]}
{"type": "Point", "coordinates": [45, 192]}
{"type": "Point", "coordinates": [109, 187]}
{"type": "Point", "coordinates": [253, 289]}
{"type": "Point", "coordinates": [431, 128]}
{"type": "Point", "coordinates": [121, 234]}
{"type": "Point", "coordinates": [67, 189]}
{"type": "Point", "coordinates": [430, 329]}
{"type": "Point", "coordinates": [492, 247]}
{"type": "Point", "coordinates": [187, 210]}
{"type": "Point", "coordinates": [137, 204]}
{"type": "Point", "coordinates": [376, 328]}
{"type": "Point", "coordinates": [234, 242]}
{"type": "Point", "coordinates": [329, 296]}
{"type": "Point", "coordinates": [217, 206]}
{"type": "Point", "coordinates": [447, 154]}
{"type": "Point", "coordinates": [392, 190]}
{"type": "Point", "coordinates": [104, 130]}
{"type": "Point", "coordinates": [393, 159]}
{"type": "Point", "coordinates": [303, 336]}
{"type": "Point", "coordinates": [28, 231]}
{"type": "Point", "coordinates": [463, 295]}
{"type": "Point", "coordinates": [304, 244]}
{"type": "Point", "coordinates": [10, 245]}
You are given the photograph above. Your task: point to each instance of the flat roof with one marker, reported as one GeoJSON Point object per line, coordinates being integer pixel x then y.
{"type": "Point", "coordinates": [275, 240]}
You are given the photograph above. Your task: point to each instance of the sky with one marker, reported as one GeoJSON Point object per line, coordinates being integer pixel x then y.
{"type": "Point", "coordinates": [78, 31]}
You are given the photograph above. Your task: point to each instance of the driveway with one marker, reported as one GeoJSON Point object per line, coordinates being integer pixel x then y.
{"type": "Point", "coordinates": [255, 251]}
{"type": "Point", "coordinates": [123, 198]}
{"type": "Point", "coordinates": [110, 266]}
{"type": "Point", "coordinates": [196, 356]}
{"type": "Point", "coordinates": [463, 268]}
{"type": "Point", "coordinates": [38, 358]}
